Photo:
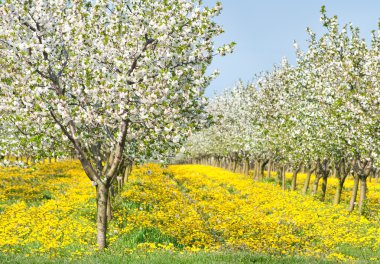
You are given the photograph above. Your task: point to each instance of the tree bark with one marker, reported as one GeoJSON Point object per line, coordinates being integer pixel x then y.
{"type": "Point", "coordinates": [279, 175]}
{"type": "Point", "coordinates": [234, 165]}
{"type": "Point", "coordinates": [315, 184]}
{"type": "Point", "coordinates": [283, 178]}
{"type": "Point", "coordinates": [269, 169]}
{"type": "Point", "coordinates": [263, 163]}
{"type": "Point", "coordinates": [223, 163]}
{"type": "Point", "coordinates": [322, 172]}
{"type": "Point", "coordinates": [246, 166]}
{"type": "Point", "coordinates": [241, 167]}
{"type": "Point", "coordinates": [354, 193]}
{"type": "Point", "coordinates": [126, 173]}
{"type": "Point", "coordinates": [363, 193]}
{"type": "Point", "coordinates": [338, 192]}
{"type": "Point", "coordinates": [307, 180]}
{"type": "Point", "coordinates": [109, 206]}
{"type": "Point", "coordinates": [259, 163]}
{"type": "Point", "coordinates": [101, 219]}
{"type": "Point", "coordinates": [324, 187]}
{"type": "Point", "coordinates": [294, 178]}
{"type": "Point", "coordinates": [255, 170]}
{"type": "Point", "coordinates": [363, 168]}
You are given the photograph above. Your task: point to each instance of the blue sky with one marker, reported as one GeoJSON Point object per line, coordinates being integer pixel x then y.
{"type": "Point", "coordinates": [265, 30]}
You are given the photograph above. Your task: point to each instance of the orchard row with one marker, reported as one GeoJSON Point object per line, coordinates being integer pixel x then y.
{"type": "Point", "coordinates": [322, 114]}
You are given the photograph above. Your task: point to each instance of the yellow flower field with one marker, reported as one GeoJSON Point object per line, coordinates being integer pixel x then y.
{"type": "Point", "coordinates": [49, 210]}
{"type": "Point", "coordinates": [42, 209]}
{"type": "Point", "coordinates": [238, 213]}
{"type": "Point", "coordinates": [373, 191]}
{"type": "Point", "coordinates": [261, 217]}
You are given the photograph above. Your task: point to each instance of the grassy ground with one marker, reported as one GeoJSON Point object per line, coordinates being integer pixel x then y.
{"type": "Point", "coordinates": [47, 215]}
{"type": "Point", "coordinates": [164, 258]}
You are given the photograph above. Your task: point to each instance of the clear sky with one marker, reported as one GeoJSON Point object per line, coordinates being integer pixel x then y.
{"type": "Point", "coordinates": [266, 29]}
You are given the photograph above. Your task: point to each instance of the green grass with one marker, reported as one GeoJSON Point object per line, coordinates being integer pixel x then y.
{"type": "Point", "coordinates": [143, 235]}
{"type": "Point", "coordinates": [165, 258]}
{"type": "Point", "coordinates": [364, 254]}
{"type": "Point", "coordinates": [117, 254]}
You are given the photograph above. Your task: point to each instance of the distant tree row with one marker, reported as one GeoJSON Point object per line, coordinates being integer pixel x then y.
{"type": "Point", "coordinates": [323, 114]}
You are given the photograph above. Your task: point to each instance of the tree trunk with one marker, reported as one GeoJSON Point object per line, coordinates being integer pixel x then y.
{"type": "Point", "coordinates": [260, 171]}
{"type": "Point", "coordinates": [263, 163]}
{"type": "Point", "coordinates": [307, 180]}
{"type": "Point", "coordinates": [241, 167]}
{"type": "Point", "coordinates": [363, 193]}
{"type": "Point", "coordinates": [315, 185]}
{"type": "Point", "coordinates": [283, 178]}
{"type": "Point", "coordinates": [101, 218]}
{"type": "Point", "coordinates": [294, 179]}
{"type": "Point", "coordinates": [269, 169]}
{"type": "Point", "coordinates": [109, 207]}
{"type": "Point", "coordinates": [126, 173]}
{"type": "Point", "coordinates": [354, 193]}
{"type": "Point", "coordinates": [120, 183]}
{"type": "Point", "coordinates": [338, 191]}
{"type": "Point", "coordinates": [324, 187]}
{"type": "Point", "coordinates": [255, 170]}
{"type": "Point", "coordinates": [279, 175]}
{"type": "Point", "coordinates": [246, 166]}
{"type": "Point", "coordinates": [234, 165]}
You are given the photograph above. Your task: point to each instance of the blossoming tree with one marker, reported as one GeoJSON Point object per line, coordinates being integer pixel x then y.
{"type": "Point", "coordinates": [114, 77]}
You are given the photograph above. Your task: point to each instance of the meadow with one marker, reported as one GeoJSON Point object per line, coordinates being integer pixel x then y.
{"type": "Point", "coordinates": [179, 214]}
{"type": "Point", "coordinates": [119, 83]}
